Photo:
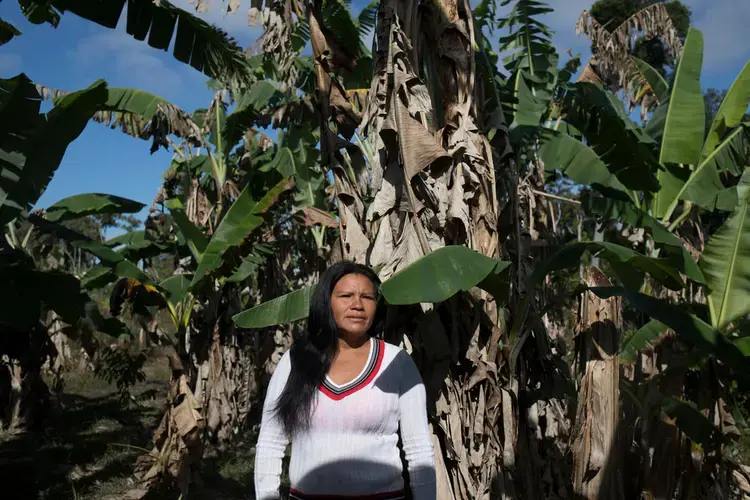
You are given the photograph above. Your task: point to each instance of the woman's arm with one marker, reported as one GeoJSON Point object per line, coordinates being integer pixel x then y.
{"type": "Point", "coordinates": [415, 431]}
{"type": "Point", "coordinates": [272, 440]}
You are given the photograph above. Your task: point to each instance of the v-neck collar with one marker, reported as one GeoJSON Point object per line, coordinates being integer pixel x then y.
{"type": "Point", "coordinates": [338, 392]}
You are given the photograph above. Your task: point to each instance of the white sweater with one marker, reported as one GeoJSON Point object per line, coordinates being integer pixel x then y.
{"type": "Point", "coordinates": [350, 449]}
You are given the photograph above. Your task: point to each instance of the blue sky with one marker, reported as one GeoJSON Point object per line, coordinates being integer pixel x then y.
{"type": "Point", "coordinates": [101, 160]}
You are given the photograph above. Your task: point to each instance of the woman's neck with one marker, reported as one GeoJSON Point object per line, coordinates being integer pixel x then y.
{"type": "Point", "coordinates": [347, 343]}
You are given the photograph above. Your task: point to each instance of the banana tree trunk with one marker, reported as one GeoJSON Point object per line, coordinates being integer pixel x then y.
{"type": "Point", "coordinates": [432, 181]}
{"type": "Point", "coordinates": [23, 393]}
{"type": "Point", "coordinates": [596, 463]}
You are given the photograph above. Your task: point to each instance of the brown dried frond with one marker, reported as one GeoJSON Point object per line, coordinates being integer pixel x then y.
{"type": "Point", "coordinates": [611, 60]}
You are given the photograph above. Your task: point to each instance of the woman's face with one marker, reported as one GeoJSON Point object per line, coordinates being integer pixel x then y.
{"type": "Point", "coordinates": [353, 302]}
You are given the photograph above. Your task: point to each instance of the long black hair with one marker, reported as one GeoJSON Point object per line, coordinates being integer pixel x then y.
{"type": "Point", "coordinates": [313, 353]}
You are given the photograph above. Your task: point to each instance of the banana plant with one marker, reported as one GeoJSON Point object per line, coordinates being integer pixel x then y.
{"type": "Point", "coordinates": [205, 47]}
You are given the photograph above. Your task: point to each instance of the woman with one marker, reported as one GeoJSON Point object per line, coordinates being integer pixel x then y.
{"type": "Point", "coordinates": [343, 397]}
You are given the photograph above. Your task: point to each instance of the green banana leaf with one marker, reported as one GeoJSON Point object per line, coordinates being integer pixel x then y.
{"type": "Point", "coordinates": [136, 246]}
{"type": "Point", "coordinates": [26, 291]}
{"type": "Point", "coordinates": [194, 237]}
{"type": "Point", "coordinates": [628, 265]}
{"type": "Point", "coordinates": [196, 42]}
{"type": "Point", "coordinates": [300, 164]}
{"type": "Point", "coordinates": [655, 80]}
{"type": "Point", "coordinates": [177, 287]}
{"type": "Point", "coordinates": [7, 32]}
{"type": "Point", "coordinates": [285, 309]}
{"type": "Point", "coordinates": [433, 278]}
{"type": "Point", "coordinates": [689, 329]}
{"type": "Point", "coordinates": [441, 274]}
{"type": "Point", "coordinates": [692, 422]}
{"type": "Point", "coordinates": [98, 276]}
{"type": "Point", "coordinates": [620, 144]}
{"type": "Point", "coordinates": [731, 111]}
{"type": "Point", "coordinates": [119, 265]}
{"type": "Point", "coordinates": [726, 263]}
{"type": "Point", "coordinates": [251, 263]}
{"type": "Point", "coordinates": [685, 122]}
{"type": "Point", "coordinates": [570, 156]}
{"type": "Point", "coordinates": [128, 100]}
{"type": "Point", "coordinates": [641, 339]}
{"type": "Point", "coordinates": [531, 104]}
{"type": "Point", "coordinates": [684, 125]}
{"type": "Point", "coordinates": [249, 106]}
{"type": "Point", "coordinates": [241, 219]}
{"type": "Point", "coordinates": [668, 243]}
{"type": "Point", "coordinates": [29, 158]}
{"type": "Point", "coordinates": [82, 205]}
{"type": "Point", "coordinates": [704, 185]}
{"type": "Point", "coordinates": [39, 12]}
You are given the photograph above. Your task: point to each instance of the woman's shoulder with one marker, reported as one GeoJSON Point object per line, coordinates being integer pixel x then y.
{"type": "Point", "coordinates": [395, 354]}
{"type": "Point", "coordinates": [284, 365]}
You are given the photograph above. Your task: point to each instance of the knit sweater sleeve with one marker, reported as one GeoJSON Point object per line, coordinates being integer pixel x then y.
{"type": "Point", "coordinates": [415, 431]}
{"type": "Point", "coordinates": [272, 440]}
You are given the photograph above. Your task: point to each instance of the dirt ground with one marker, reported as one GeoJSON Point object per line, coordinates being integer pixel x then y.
{"type": "Point", "coordinates": [87, 446]}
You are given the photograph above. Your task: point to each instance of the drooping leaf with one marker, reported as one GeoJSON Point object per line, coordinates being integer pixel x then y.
{"type": "Point", "coordinates": [685, 123]}
{"type": "Point", "coordinates": [731, 111]}
{"type": "Point", "coordinates": [704, 186]}
{"type": "Point", "coordinates": [692, 422]}
{"type": "Point", "coordinates": [531, 105]}
{"type": "Point", "coordinates": [367, 18]}
{"type": "Point", "coordinates": [339, 22]}
{"type": "Point", "coordinates": [657, 82]}
{"type": "Point", "coordinates": [644, 337]}
{"type": "Point", "coordinates": [39, 12]}
{"type": "Point", "coordinates": [612, 45]}
{"type": "Point", "coordinates": [690, 329]}
{"type": "Point", "coordinates": [619, 143]}
{"type": "Point", "coordinates": [43, 148]}
{"type": "Point", "coordinates": [629, 265]}
{"type": "Point", "coordinates": [205, 47]}
{"type": "Point", "coordinates": [529, 41]}
{"type": "Point", "coordinates": [139, 102]}
{"type": "Point", "coordinates": [249, 106]}
{"type": "Point", "coordinates": [298, 160]}
{"type": "Point", "coordinates": [251, 263]}
{"type": "Point", "coordinates": [19, 111]}
{"type": "Point", "coordinates": [285, 309]}
{"type": "Point", "coordinates": [136, 245]}
{"type": "Point", "coordinates": [98, 276]}
{"type": "Point", "coordinates": [576, 160]}
{"type": "Point", "coordinates": [177, 287]}
{"type": "Point", "coordinates": [27, 291]}
{"type": "Point", "coordinates": [119, 265]}
{"type": "Point", "coordinates": [726, 263]}
{"type": "Point", "coordinates": [669, 244]}
{"type": "Point", "coordinates": [439, 275]}
{"type": "Point", "coordinates": [82, 205]}
{"type": "Point", "coordinates": [7, 32]}
{"type": "Point", "coordinates": [194, 237]}
{"type": "Point", "coordinates": [241, 219]}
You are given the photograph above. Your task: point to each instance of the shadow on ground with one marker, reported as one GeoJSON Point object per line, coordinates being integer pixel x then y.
{"type": "Point", "coordinates": [84, 445]}
{"type": "Point", "coordinates": [87, 445]}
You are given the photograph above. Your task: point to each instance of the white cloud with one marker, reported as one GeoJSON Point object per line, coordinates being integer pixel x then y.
{"type": "Point", "coordinates": [10, 64]}
{"type": "Point", "coordinates": [133, 63]}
